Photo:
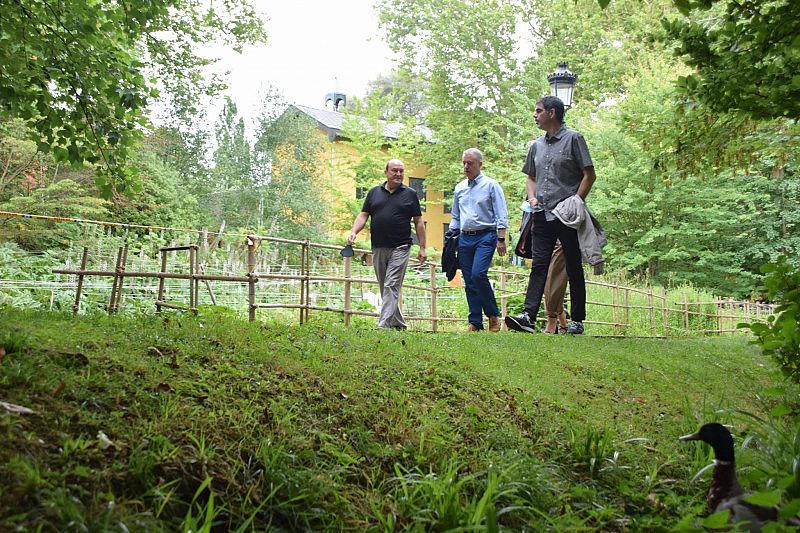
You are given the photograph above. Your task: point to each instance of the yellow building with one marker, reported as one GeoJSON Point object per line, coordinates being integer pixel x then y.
{"type": "Point", "coordinates": [340, 159]}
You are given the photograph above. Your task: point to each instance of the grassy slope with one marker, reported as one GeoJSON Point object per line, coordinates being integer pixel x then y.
{"type": "Point", "coordinates": [324, 427]}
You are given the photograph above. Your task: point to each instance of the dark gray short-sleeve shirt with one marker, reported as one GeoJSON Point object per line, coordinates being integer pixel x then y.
{"type": "Point", "coordinates": [557, 163]}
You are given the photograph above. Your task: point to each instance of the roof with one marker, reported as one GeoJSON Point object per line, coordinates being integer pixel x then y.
{"type": "Point", "coordinates": [331, 122]}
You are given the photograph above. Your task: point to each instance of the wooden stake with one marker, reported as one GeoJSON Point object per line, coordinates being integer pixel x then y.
{"type": "Point", "coordinates": [251, 267]}
{"type": "Point", "coordinates": [434, 290]}
{"type": "Point", "coordinates": [348, 272]}
{"type": "Point", "coordinates": [77, 306]}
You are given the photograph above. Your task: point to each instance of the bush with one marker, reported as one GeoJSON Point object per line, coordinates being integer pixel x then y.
{"type": "Point", "coordinates": [780, 336]}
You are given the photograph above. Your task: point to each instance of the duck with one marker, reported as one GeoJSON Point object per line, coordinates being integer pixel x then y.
{"type": "Point", "coordinates": [725, 492]}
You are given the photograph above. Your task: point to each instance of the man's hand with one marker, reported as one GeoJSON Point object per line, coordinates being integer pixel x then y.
{"type": "Point", "coordinates": [352, 238]}
{"type": "Point", "coordinates": [533, 201]}
{"type": "Point", "coordinates": [421, 257]}
{"type": "Point", "coordinates": [501, 247]}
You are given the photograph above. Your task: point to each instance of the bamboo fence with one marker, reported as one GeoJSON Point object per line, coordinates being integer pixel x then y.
{"type": "Point", "coordinates": [662, 319]}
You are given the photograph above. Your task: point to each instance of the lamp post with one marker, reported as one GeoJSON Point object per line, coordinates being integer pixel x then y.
{"type": "Point", "coordinates": [562, 83]}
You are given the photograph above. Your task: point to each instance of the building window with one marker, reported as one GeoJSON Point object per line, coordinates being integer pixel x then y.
{"type": "Point", "coordinates": [418, 184]}
{"type": "Point", "coordinates": [447, 202]}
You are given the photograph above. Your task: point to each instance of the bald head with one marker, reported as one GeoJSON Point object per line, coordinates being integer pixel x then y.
{"type": "Point", "coordinates": [394, 174]}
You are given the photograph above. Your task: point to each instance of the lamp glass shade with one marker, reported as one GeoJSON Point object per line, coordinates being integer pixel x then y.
{"type": "Point", "coordinates": [562, 84]}
{"type": "Point", "coordinates": [563, 91]}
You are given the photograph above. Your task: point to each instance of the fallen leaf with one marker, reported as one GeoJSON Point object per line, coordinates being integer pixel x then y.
{"type": "Point", "coordinates": [59, 389]}
{"type": "Point", "coordinates": [12, 408]}
{"type": "Point", "coordinates": [104, 441]}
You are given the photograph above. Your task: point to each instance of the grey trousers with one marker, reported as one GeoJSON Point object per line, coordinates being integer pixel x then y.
{"type": "Point", "coordinates": [390, 269]}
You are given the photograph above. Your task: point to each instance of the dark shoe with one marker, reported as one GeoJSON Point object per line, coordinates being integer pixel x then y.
{"type": "Point", "coordinates": [575, 328]}
{"type": "Point", "coordinates": [520, 322]}
{"type": "Point", "coordinates": [473, 328]}
{"type": "Point", "coordinates": [494, 324]}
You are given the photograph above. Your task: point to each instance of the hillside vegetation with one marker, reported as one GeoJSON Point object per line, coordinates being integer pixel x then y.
{"type": "Point", "coordinates": [168, 423]}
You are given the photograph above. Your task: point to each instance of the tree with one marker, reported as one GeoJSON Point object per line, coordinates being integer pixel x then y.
{"type": "Point", "coordinates": [405, 93]}
{"type": "Point", "coordinates": [233, 194]}
{"type": "Point", "coordinates": [63, 198]}
{"type": "Point", "coordinates": [745, 54]}
{"type": "Point", "coordinates": [76, 71]}
{"type": "Point", "coordinates": [287, 156]}
{"type": "Point", "coordinates": [19, 161]}
{"type": "Point", "coordinates": [473, 81]}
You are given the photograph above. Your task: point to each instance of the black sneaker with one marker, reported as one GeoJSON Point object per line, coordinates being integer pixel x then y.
{"type": "Point", "coordinates": [521, 322]}
{"type": "Point", "coordinates": [575, 328]}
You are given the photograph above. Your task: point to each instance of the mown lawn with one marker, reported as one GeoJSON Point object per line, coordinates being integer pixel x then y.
{"type": "Point", "coordinates": [180, 423]}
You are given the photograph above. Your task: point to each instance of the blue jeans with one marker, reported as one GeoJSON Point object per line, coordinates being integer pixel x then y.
{"type": "Point", "coordinates": [475, 254]}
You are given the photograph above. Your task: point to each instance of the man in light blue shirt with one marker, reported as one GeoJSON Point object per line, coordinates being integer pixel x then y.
{"type": "Point", "coordinates": [479, 213]}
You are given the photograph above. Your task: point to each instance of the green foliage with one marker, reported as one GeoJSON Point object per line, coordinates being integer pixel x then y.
{"type": "Point", "coordinates": [744, 53]}
{"type": "Point", "coordinates": [164, 199]}
{"type": "Point", "coordinates": [63, 198]}
{"type": "Point", "coordinates": [77, 72]}
{"type": "Point", "coordinates": [288, 157]}
{"type": "Point", "coordinates": [780, 336]}
{"type": "Point", "coordinates": [20, 163]}
{"type": "Point", "coordinates": [475, 85]}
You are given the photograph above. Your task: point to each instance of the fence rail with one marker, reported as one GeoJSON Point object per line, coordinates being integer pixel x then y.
{"type": "Point", "coordinates": [654, 315]}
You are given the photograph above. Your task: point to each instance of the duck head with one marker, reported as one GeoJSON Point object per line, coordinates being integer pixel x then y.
{"type": "Point", "coordinates": [718, 437]}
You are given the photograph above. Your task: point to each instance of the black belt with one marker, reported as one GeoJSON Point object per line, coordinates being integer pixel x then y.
{"type": "Point", "coordinates": [477, 231]}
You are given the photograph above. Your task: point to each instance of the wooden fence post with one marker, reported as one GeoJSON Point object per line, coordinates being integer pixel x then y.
{"type": "Point", "coordinates": [664, 310]}
{"type": "Point", "coordinates": [251, 268]}
{"type": "Point", "coordinates": [79, 288]}
{"type": "Point", "coordinates": [303, 295]}
{"type": "Point", "coordinates": [434, 290]}
{"type": "Point", "coordinates": [115, 283]}
{"type": "Point", "coordinates": [193, 283]}
{"type": "Point", "coordinates": [503, 299]}
{"type": "Point", "coordinates": [161, 280]}
{"type": "Point", "coordinates": [348, 273]}
{"type": "Point", "coordinates": [627, 308]}
{"type": "Point", "coordinates": [652, 311]}
{"type": "Point", "coordinates": [685, 313]}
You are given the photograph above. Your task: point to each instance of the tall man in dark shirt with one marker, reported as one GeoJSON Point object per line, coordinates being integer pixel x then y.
{"type": "Point", "coordinates": [558, 166]}
{"type": "Point", "coordinates": [392, 207]}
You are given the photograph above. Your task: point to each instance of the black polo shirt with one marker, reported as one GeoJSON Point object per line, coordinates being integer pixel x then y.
{"type": "Point", "coordinates": [390, 215]}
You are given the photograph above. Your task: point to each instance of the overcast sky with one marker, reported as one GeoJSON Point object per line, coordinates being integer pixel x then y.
{"type": "Point", "coordinates": [314, 47]}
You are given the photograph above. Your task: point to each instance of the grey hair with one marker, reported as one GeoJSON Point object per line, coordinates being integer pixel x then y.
{"type": "Point", "coordinates": [474, 151]}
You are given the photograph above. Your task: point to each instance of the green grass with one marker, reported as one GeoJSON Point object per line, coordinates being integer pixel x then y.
{"type": "Point", "coordinates": [176, 423]}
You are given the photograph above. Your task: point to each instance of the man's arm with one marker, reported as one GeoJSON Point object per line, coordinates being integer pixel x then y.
{"type": "Point", "coordinates": [530, 185]}
{"type": "Point", "coordinates": [455, 214]}
{"type": "Point", "coordinates": [419, 225]}
{"type": "Point", "coordinates": [358, 225]}
{"type": "Point", "coordinates": [501, 217]}
{"type": "Point", "coordinates": [586, 183]}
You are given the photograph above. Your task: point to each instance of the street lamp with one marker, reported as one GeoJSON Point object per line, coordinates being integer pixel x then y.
{"type": "Point", "coordinates": [562, 83]}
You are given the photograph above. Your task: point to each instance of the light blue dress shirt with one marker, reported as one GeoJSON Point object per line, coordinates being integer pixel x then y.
{"type": "Point", "coordinates": [479, 204]}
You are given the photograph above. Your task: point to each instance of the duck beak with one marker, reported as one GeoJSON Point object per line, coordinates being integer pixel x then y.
{"type": "Point", "coordinates": [690, 436]}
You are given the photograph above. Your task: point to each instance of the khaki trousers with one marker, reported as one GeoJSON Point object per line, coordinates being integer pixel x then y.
{"type": "Point", "coordinates": [390, 269]}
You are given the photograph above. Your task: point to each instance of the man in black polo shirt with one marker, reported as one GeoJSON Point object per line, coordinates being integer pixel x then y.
{"type": "Point", "coordinates": [392, 207]}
